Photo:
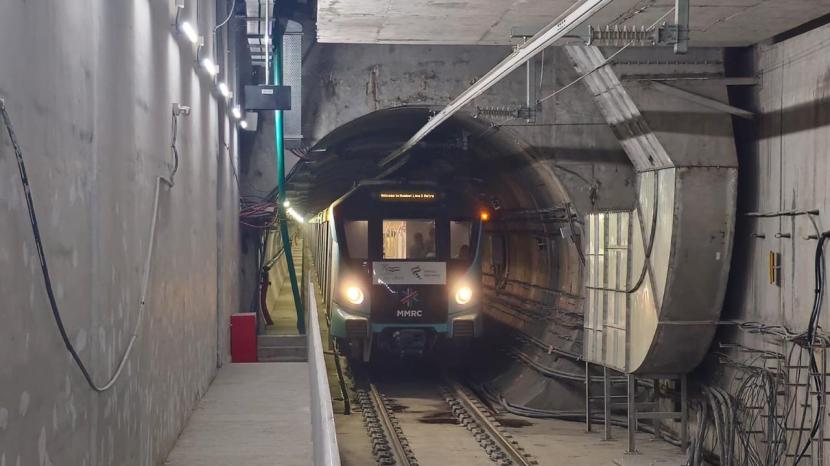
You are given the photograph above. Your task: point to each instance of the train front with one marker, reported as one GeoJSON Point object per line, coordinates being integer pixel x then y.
{"type": "Point", "coordinates": [410, 276]}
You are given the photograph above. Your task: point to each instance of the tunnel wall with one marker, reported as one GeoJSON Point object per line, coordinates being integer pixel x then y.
{"type": "Point", "coordinates": [784, 168]}
{"type": "Point", "coordinates": [567, 155]}
{"type": "Point", "coordinates": [345, 82]}
{"type": "Point", "coordinates": [89, 86]}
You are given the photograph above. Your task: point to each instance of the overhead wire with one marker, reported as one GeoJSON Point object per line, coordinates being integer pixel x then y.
{"type": "Point", "coordinates": [601, 65]}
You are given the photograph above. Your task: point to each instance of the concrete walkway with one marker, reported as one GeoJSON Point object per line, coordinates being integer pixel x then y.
{"type": "Point", "coordinates": [281, 298]}
{"type": "Point", "coordinates": [252, 415]}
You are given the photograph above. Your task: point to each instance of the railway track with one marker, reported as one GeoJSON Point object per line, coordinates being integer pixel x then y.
{"type": "Point", "coordinates": [390, 445]}
{"type": "Point", "coordinates": [388, 442]}
{"type": "Point", "coordinates": [496, 441]}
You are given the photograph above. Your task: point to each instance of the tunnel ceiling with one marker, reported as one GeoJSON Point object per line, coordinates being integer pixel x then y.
{"type": "Point", "coordinates": [464, 152]}
{"type": "Point", "coordinates": [739, 22]}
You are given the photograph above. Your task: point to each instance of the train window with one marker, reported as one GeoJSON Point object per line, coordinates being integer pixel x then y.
{"type": "Point", "coordinates": [357, 238]}
{"type": "Point", "coordinates": [461, 234]}
{"type": "Point", "coordinates": [408, 239]}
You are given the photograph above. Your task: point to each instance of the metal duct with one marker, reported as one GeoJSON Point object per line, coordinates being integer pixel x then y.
{"type": "Point", "coordinates": [292, 44]}
{"type": "Point", "coordinates": [681, 232]}
{"type": "Point", "coordinates": [292, 50]}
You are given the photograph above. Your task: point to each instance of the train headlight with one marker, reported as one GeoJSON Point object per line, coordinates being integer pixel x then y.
{"type": "Point", "coordinates": [354, 295]}
{"type": "Point", "coordinates": [463, 295]}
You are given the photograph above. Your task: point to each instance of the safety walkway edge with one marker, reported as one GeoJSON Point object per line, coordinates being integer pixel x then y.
{"type": "Point", "coordinates": [323, 432]}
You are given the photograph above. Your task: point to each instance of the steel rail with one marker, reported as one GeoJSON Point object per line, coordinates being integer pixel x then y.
{"type": "Point", "coordinates": [399, 452]}
{"type": "Point", "coordinates": [489, 424]}
{"type": "Point", "coordinates": [554, 31]}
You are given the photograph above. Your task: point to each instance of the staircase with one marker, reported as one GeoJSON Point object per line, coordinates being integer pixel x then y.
{"type": "Point", "coordinates": [282, 348]}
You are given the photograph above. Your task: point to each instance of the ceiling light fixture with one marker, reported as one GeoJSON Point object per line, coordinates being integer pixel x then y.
{"type": "Point", "coordinates": [223, 88]}
{"type": "Point", "coordinates": [211, 68]}
{"type": "Point", "coordinates": [189, 32]}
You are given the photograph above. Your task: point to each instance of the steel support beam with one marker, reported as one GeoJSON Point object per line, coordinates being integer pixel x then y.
{"type": "Point", "coordinates": [560, 27]}
{"type": "Point", "coordinates": [702, 100]}
{"type": "Point", "coordinates": [681, 20]}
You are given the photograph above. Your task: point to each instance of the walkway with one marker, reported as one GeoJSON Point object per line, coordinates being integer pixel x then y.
{"type": "Point", "coordinates": [252, 415]}
{"type": "Point", "coordinates": [280, 297]}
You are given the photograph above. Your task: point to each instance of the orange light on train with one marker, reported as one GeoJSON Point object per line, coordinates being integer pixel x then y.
{"type": "Point", "coordinates": [485, 216]}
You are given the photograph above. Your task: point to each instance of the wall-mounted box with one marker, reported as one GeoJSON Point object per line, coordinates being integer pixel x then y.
{"type": "Point", "coordinates": [267, 97]}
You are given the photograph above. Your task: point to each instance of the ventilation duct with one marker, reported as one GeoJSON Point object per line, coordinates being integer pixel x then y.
{"type": "Point", "coordinates": [292, 55]}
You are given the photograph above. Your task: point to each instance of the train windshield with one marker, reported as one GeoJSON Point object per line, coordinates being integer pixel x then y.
{"type": "Point", "coordinates": [409, 239]}
{"type": "Point", "coordinates": [461, 236]}
{"type": "Point", "coordinates": [357, 238]}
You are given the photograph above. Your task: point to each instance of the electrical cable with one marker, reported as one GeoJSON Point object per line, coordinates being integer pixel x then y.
{"type": "Point", "coordinates": [230, 14]}
{"type": "Point", "coordinates": [652, 234]}
{"type": "Point", "coordinates": [651, 240]}
{"type": "Point", "coordinates": [605, 62]}
{"type": "Point", "coordinates": [174, 130]}
{"type": "Point", "coordinates": [24, 179]}
{"type": "Point", "coordinates": [810, 345]}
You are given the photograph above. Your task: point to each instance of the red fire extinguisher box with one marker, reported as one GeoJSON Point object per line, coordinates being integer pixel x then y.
{"type": "Point", "coordinates": [243, 337]}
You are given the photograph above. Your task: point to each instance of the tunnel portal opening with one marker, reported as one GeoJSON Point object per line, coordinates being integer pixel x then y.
{"type": "Point", "coordinates": [531, 247]}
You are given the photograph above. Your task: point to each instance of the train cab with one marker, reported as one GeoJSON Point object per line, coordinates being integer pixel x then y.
{"type": "Point", "coordinates": [405, 269]}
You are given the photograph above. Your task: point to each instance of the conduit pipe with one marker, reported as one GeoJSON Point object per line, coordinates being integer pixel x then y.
{"type": "Point", "coordinates": [279, 147]}
{"type": "Point", "coordinates": [554, 31]}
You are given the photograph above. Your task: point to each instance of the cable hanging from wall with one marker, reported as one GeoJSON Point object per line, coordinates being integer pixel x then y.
{"type": "Point", "coordinates": [47, 279]}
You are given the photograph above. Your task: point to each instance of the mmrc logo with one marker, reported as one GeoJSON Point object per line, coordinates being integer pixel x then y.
{"type": "Point", "coordinates": [410, 298]}
{"type": "Point", "coordinates": [417, 272]}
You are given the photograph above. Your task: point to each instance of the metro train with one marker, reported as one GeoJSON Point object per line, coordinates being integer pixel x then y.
{"type": "Point", "coordinates": [399, 267]}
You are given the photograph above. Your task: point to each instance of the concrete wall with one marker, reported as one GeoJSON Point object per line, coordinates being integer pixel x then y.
{"type": "Point", "coordinates": [89, 85]}
{"type": "Point", "coordinates": [783, 165]}
{"type": "Point", "coordinates": [786, 169]}
{"type": "Point", "coordinates": [344, 82]}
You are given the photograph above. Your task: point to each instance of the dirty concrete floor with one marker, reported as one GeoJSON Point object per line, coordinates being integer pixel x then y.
{"type": "Point", "coordinates": [554, 442]}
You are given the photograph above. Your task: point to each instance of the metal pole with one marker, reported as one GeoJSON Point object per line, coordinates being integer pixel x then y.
{"type": "Point", "coordinates": [279, 147]}
{"type": "Point", "coordinates": [684, 412]}
{"type": "Point", "coordinates": [819, 442]}
{"type": "Point", "coordinates": [681, 20]}
{"type": "Point", "coordinates": [529, 90]}
{"type": "Point", "coordinates": [267, 44]}
{"type": "Point", "coordinates": [606, 401]}
{"type": "Point", "coordinates": [632, 413]}
{"type": "Point", "coordinates": [588, 417]}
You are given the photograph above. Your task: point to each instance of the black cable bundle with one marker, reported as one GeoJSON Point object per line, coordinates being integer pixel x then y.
{"type": "Point", "coordinates": [808, 342]}
{"type": "Point", "coordinates": [44, 268]}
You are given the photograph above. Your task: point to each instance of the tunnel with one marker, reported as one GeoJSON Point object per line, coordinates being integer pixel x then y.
{"type": "Point", "coordinates": [643, 186]}
{"type": "Point", "coordinates": [533, 229]}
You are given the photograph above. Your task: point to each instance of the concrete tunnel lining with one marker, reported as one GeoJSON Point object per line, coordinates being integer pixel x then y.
{"type": "Point", "coordinates": [543, 273]}
{"type": "Point", "coordinates": [656, 309]}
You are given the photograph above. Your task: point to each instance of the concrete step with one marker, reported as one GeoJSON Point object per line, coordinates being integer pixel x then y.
{"type": "Point", "coordinates": [282, 354]}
